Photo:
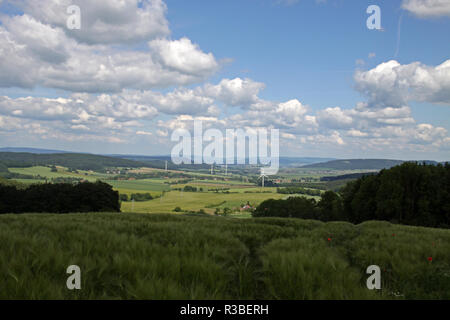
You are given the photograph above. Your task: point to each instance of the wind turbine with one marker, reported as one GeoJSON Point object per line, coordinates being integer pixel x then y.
{"type": "Point", "coordinates": [262, 176]}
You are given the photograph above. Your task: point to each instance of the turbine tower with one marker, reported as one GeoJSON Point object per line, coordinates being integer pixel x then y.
{"type": "Point", "coordinates": [262, 176]}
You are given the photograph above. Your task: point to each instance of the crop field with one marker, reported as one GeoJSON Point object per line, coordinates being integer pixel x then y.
{"type": "Point", "coordinates": [220, 186]}
{"type": "Point", "coordinates": [144, 185]}
{"type": "Point", "coordinates": [212, 185]}
{"type": "Point", "coordinates": [62, 173]}
{"type": "Point", "coordinates": [136, 256]}
{"type": "Point", "coordinates": [194, 201]}
{"type": "Point", "coordinates": [123, 186]}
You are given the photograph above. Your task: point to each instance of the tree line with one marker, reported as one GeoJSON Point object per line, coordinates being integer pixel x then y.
{"type": "Point", "coordinates": [299, 190]}
{"type": "Point", "coordinates": [59, 198]}
{"type": "Point", "coordinates": [411, 193]}
{"type": "Point", "coordinates": [136, 197]}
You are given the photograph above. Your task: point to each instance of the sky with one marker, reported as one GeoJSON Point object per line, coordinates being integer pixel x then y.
{"type": "Point", "coordinates": [136, 70]}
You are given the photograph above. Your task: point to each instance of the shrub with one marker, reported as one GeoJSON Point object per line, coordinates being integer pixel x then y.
{"type": "Point", "coordinates": [141, 196]}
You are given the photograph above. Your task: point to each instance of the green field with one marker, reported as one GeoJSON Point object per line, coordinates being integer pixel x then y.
{"type": "Point", "coordinates": [123, 186]}
{"type": "Point", "coordinates": [135, 256]}
{"type": "Point", "coordinates": [194, 201]}
{"type": "Point", "coordinates": [45, 172]}
{"type": "Point", "coordinates": [144, 185]}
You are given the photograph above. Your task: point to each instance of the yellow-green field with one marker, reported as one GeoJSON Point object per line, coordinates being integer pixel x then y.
{"type": "Point", "coordinates": [45, 172]}
{"type": "Point", "coordinates": [137, 186]}
{"type": "Point", "coordinates": [194, 201]}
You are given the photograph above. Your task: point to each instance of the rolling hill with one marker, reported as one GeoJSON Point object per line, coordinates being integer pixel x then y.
{"type": "Point", "coordinates": [31, 150]}
{"type": "Point", "coordinates": [364, 164]}
{"type": "Point", "coordinates": [356, 164]}
{"type": "Point", "coordinates": [71, 160]}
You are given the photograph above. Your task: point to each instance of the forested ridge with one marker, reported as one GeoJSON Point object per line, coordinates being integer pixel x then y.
{"type": "Point", "coordinates": [411, 193]}
{"type": "Point", "coordinates": [79, 161]}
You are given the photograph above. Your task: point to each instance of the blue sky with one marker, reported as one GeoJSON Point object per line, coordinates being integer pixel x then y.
{"type": "Point", "coordinates": [308, 49]}
{"type": "Point", "coordinates": [310, 68]}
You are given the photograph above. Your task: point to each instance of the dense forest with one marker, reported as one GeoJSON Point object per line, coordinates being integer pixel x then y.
{"type": "Point", "coordinates": [59, 198]}
{"type": "Point", "coordinates": [411, 193]}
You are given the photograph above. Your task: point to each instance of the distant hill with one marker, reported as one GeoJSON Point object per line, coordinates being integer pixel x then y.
{"type": "Point", "coordinates": [31, 150]}
{"type": "Point", "coordinates": [284, 161]}
{"type": "Point", "coordinates": [350, 176]}
{"type": "Point", "coordinates": [356, 164]}
{"type": "Point", "coordinates": [77, 161]}
{"type": "Point", "coordinates": [360, 164]}
{"type": "Point", "coordinates": [19, 157]}
{"type": "Point", "coordinates": [301, 161]}
{"type": "Point", "coordinates": [139, 158]}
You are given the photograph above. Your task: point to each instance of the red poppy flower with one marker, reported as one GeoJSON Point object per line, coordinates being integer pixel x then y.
{"type": "Point", "coordinates": [430, 258]}
{"type": "Point", "coordinates": [329, 239]}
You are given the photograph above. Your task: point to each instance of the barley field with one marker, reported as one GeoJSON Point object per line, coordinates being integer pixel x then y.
{"type": "Point", "coordinates": [162, 256]}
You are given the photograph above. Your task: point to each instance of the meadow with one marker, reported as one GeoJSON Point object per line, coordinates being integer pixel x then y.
{"type": "Point", "coordinates": [142, 185]}
{"type": "Point", "coordinates": [45, 172]}
{"type": "Point", "coordinates": [195, 201]}
{"type": "Point", "coordinates": [137, 256]}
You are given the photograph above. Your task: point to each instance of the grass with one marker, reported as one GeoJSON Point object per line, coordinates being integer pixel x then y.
{"type": "Point", "coordinates": [37, 170]}
{"type": "Point", "coordinates": [45, 172]}
{"type": "Point", "coordinates": [123, 186]}
{"type": "Point", "coordinates": [143, 185]}
{"type": "Point", "coordinates": [194, 201]}
{"type": "Point", "coordinates": [135, 256]}
{"type": "Point", "coordinates": [29, 181]}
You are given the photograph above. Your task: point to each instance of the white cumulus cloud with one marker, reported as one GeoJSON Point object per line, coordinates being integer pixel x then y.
{"type": "Point", "coordinates": [33, 54]}
{"type": "Point", "coordinates": [392, 84]}
{"type": "Point", "coordinates": [103, 21]}
{"type": "Point", "coordinates": [427, 8]}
